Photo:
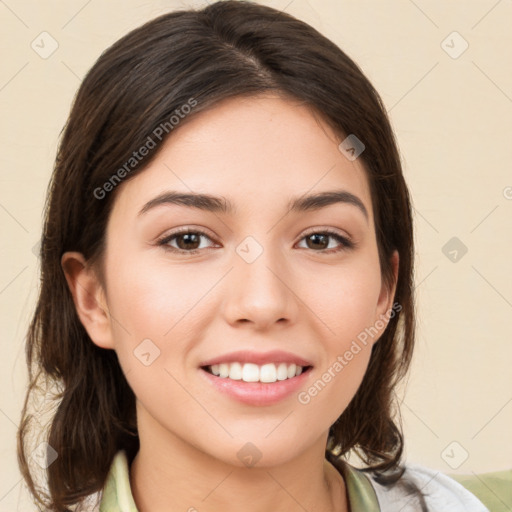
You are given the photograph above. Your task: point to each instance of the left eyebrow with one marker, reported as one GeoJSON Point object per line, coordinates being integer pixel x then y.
{"type": "Point", "coordinates": [327, 198]}
{"type": "Point", "coordinates": [220, 204]}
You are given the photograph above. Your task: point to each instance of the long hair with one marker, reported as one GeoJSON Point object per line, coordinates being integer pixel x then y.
{"type": "Point", "coordinates": [136, 90]}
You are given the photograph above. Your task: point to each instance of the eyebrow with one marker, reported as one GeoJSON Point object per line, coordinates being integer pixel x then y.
{"type": "Point", "coordinates": [220, 204]}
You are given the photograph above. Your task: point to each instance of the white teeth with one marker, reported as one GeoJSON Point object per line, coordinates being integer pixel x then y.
{"type": "Point", "coordinates": [235, 371]}
{"type": "Point", "coordinates": [282, 372]}
{"type": "Point", "coordinates": [268, 373]}
{"type": "Point", "coordinates": [250, 372]}
{"type": "Point", "coordinates": [223, 370]}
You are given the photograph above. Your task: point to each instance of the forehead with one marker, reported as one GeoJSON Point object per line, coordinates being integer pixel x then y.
{"type": "Point", "coordinates": [256, 151]}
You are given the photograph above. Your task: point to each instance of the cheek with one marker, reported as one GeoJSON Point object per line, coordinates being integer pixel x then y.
{"type": "Point", "coordinates": [336, 383]}
{"type": "Point", "coordinates": [155, 299]}
{"type": "Point", "coordinates": [158, 315]}
{"type": "Point", "coordinates": [345, 298]}
{"type": "Point", "coordinates": [345, 302]}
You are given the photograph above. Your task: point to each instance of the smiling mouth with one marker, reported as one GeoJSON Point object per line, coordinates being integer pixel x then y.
{"type": "Point", "coordinates": [250, 372]}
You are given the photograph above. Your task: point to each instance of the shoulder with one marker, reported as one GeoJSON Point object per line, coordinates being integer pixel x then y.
{"type": "Point", "coordinates": [440, 493]}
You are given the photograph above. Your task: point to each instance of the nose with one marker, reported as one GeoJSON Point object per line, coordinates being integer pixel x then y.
{"type": "Point", "coordinates": [261, 291]}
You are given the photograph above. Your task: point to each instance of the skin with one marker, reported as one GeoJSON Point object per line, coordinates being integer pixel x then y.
{"type": "Point", "coordinates": [258, 152]}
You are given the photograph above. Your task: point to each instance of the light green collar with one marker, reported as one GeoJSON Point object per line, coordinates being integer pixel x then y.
{"type": "Point", "coordinates": [117, 495]}
{"type": "Point", "coordinates": [360, 492]}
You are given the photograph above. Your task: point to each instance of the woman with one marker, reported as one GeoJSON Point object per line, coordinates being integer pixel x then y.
{"type": "Point", "coordinates": [241, 370]}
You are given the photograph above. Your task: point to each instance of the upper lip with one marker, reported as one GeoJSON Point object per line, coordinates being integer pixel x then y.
{"type": "Point", "coordinates": [259, 358]}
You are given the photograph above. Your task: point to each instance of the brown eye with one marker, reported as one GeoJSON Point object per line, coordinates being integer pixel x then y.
{"type": "Point", "coordinates": [319, 241]}
{"type": "Point", "coordinates": [187, 241]}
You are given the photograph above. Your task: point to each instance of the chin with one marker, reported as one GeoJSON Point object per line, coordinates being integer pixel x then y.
{"type": "Point", "coordinates": [259, 452]}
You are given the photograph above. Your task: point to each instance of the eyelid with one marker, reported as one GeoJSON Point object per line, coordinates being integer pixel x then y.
{"type": "Point", "coordinates": [326, 229]}
{"type": "Point", "coordinates": [189, 228]}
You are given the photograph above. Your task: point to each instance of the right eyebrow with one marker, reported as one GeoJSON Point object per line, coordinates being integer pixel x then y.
{"type": "Point", "coordinates": [205, 202]}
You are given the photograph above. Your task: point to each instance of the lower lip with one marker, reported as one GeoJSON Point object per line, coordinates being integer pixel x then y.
{"type": "Point", "coordinates": [257, 393]}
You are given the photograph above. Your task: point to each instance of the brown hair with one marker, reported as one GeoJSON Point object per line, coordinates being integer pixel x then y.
{"type": "Point", "coordinates": [224, 50]}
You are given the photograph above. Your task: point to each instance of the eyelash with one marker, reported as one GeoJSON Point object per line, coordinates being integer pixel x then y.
{"type": "Point", "coordinates": [346, 244]}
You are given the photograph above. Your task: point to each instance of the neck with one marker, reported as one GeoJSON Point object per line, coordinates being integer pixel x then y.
{"type": "Point", "coordinates": [169, 474]}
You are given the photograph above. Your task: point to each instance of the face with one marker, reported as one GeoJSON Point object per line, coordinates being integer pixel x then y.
{"type": "Point", "coordinates": [245, 325]}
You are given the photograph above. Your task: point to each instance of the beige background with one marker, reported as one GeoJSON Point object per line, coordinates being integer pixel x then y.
{"type": "Point", "coordinates": [453, 120]}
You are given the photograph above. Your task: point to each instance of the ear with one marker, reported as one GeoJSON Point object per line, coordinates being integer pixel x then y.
{"type": "Point", "coordinates": [89, 298]}
{"type": "Point", "coordinates": [384, 310]}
